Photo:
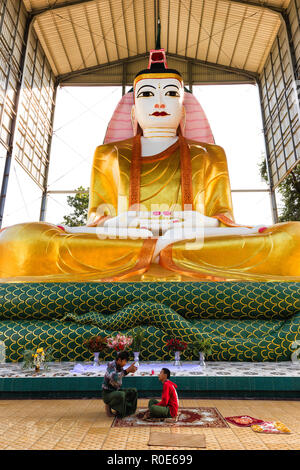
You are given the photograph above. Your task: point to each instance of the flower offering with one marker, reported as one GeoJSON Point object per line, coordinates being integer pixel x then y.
{"type": "Point", "coordinates": [119, 342]}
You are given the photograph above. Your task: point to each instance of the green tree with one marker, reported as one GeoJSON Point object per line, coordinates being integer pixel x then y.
{"type": "Point", "coordinates": [79, 203]}
{"type": "Point", "coordinates": [290, 193]}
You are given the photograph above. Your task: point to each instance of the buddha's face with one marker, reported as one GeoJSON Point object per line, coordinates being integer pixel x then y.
{"type": "Point", "coordinates": [158, 103]}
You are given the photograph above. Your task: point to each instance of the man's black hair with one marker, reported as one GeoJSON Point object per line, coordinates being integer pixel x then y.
{"type": "Point", "coordinates": [123, 355]}
{"type": "Point", "coordinates": [167, 372]}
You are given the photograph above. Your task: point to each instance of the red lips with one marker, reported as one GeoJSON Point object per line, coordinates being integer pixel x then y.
{"type": "Point", "coordinates": [160, 113]}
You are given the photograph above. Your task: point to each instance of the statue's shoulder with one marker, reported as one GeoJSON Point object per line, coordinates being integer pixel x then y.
{"type": "Point", "coordinates": [212, 151]}
{"type": "Point", "coordinates": [111, 147]}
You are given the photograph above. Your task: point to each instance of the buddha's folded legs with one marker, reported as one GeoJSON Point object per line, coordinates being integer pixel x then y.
{"type": "Point", "coordinates": [39, 250]}
{"type": "Point", "coordinates": [271, 255]}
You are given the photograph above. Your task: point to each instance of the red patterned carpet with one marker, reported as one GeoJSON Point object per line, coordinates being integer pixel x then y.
{"type": "Point", "coordinates": [203, 417]}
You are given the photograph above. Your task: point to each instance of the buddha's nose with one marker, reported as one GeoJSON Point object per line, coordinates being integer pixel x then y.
{"type": "Point", "coordinates": [159, 105]}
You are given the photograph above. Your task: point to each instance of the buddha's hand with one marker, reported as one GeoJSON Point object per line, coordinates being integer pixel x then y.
{"type": "Point", "coordinates": [159, 222]}
{"type": "Point", "coordinates": [98, 221]}
{"type": "Point", "coordinates": [155, 221]}
{"type": "Point", "coordinates": [129, 219]}
{"type": "Point", "coordinates": [193, 219]}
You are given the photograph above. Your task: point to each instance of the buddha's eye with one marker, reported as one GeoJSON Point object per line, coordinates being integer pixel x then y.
{"type": "Point", "coordinates": [145, 94]}
{"type": "Point", "coordinates": [173, 93]}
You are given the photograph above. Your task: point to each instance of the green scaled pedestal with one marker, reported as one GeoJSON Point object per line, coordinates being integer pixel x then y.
{"type": "Point", "coordinates": [244, 321]}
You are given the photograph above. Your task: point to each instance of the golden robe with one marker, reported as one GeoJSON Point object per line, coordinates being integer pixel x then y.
{"type": "Point", "coordinates": [44, 252]}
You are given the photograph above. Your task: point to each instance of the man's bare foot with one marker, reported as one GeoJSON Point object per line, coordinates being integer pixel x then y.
{"type": "Point", "coordinates": [146, 415]}
{"type": "Point", "coordinates": [109, 412]}
{"type": "Point", "coordinates": [172, 420]}
{"type": "Point", "coordinates": [154, 420]}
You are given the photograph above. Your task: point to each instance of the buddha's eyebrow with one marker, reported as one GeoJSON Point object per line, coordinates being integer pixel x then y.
{"type": "Point", "coordinates": [146, 86]}
{"type": "Point", "coordinates": [171, 85]}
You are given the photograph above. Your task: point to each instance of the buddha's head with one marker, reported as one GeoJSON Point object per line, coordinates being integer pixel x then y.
{"type": "Point", "coordinates": [158, 99]}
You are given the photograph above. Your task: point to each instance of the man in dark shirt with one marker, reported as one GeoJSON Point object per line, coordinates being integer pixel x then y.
{"type": "Point", "coordinates": [123, 401]}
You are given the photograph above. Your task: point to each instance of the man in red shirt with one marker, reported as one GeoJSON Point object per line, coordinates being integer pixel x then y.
{"type": "Point", "coordinates": [167, 407]}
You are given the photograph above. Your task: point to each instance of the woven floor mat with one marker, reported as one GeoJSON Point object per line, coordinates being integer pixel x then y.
{"type": "Point", "coordinates": [163, 439]}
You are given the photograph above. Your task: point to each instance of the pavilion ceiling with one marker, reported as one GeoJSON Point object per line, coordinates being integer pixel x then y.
{"type": "Point", "coordinates": [78, 35]}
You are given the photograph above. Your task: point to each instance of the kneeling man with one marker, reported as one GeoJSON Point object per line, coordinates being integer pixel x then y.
{"type": "Point", "coordinates": [123, 401]}
{"type": "Point", "coordinates": [167, 407]}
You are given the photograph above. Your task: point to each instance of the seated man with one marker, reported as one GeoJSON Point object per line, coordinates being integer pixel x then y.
{"type": "Point", "coordinates": [167, 407]}
{"type": "Point", "coordinates": [123, 401]}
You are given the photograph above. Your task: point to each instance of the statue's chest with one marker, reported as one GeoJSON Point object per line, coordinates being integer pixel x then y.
{"type": "Point", "coordinates": [160, 182]}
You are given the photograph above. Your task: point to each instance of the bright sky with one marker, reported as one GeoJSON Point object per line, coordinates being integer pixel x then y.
{"type": "Point", "coordinates": [81, 118]}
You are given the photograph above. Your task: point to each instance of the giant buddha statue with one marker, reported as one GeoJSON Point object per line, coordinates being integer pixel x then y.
{"type": "Point", "coordinates": [160, 208]}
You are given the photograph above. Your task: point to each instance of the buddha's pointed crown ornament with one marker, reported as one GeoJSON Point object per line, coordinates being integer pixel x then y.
{"type": "Point", "coordinates": [157, 68]}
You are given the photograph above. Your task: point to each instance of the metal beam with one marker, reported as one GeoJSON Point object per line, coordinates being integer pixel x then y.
{"type": "Point", "coordinates": [95, 68]}
{"type": "Point", "coordinates": [76, 39]}
{"type": "Point", "coordinates": [224, 30]}
{"type": "Point", "coordinates": [45, 192]}
{"type": "Point", "coordinates": [86, 191]}
{"type": "Point", "coordinates": [112, 28]}
{"type": "Point", "coordinates": [103, 35]}
{"type": "Point", "coordinates": [188, 28]}
{"type": "Point", "coordinates": [37, 12]}
{"type": "Point", "coordinates": [297, 12]}
{"type": "Point", "coordinates": [178, 22]}
{"type": "Point", "coordinates": [200, 29]}
{"type": "Point", "coordinates": [211, 32]}
{"type": "Point", "coordinates": [40, 11]}
{"type": "Point", "coordinates": [190, 76]}
{"type": "Point", "coordinates": [2, 14]}
{"type": "Point", "coordinates": [271, 185]}
{"type": "Point", "coordinates": [91, 35]}
{"type": "Point", "coordinates": [253, 39]}
{"type": "Point", "coordinates": [292, 55]}
{"type": "Point", "coordinates": [278, 110]}
{"type": "Point", "coordinates": [249, 76]}
{"type": "Point", "coordinates": [124, 78]}
{"type": "Point", "coordinates": [257, 5]}
{"type": "Point", "coordinates": [9, 62]}
{"type": "Point", "coordinates": [253, 76]}
{"type": "Point", "coordinates": [238, 37]}
{"type": "Point", "coordinates": [9, 154]}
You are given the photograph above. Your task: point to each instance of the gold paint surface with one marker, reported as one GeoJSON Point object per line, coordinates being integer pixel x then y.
{"type": "Point", "coordinates": [41, 251]}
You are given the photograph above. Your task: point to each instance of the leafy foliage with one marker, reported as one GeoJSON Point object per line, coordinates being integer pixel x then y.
{"type": "Point", "coordinates": [290, 193]}
{"type": "Point", "coordinates": [28, 357]}
{"type": "Point", "coordinates": [203, 345]}
{"type": "Point", "coordinates": [79, 203]}
{"type": "Point", "coordinates": [96, 344]}
{"type": "Point", "coordinates": [138, 337]}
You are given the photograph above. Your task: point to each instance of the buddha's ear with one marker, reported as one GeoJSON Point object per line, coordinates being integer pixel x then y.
{"type": "Point", "coordinates": [182, 121]}
{"type": "Point", "coordinates": [134, 120]}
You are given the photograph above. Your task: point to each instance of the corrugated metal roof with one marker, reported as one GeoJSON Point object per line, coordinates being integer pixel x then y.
{"type": "Point", "coordinates": [78, 35]}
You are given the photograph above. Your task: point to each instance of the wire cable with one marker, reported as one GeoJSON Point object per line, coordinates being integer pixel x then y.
{"type": "Point", "coordinates": [87, 108]}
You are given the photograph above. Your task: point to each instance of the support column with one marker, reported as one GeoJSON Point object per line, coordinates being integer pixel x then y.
{"type": "Point", "coordinates": [45, 191]}
{"type": "Point", "coordinates": [286, 22]}
{"type": "Point", "coordinates": [272, 191]}
{"type": "Point", "coordinates": [190, 75]}
{"type": "Point", "coordinates": [9, 154]}
{"type": "Point", "coordinates": [124, 78]}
